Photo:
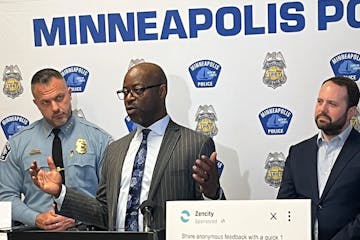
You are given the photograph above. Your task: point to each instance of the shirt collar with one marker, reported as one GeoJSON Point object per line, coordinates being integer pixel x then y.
{"type": "Point", "coordinates": [341, 137]}
{"type": "Point", "coordinates": [66, 129]}
{"type": "Point", "coordinates": [157, 127]}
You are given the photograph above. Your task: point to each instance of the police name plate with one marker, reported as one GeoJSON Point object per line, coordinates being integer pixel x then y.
{"type": "Point", "coordinates": [239, 219]}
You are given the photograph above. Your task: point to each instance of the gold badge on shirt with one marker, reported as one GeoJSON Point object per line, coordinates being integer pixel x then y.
{"type": "Point", "coordinates": [81, 146]}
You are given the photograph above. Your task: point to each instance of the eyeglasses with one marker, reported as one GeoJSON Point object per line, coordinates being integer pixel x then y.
{"type": "Point", "coordinates": [137, 91]}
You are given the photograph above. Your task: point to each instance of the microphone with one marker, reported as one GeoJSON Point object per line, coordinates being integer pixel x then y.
{"type": "Point", "coordinates": [146, 209]}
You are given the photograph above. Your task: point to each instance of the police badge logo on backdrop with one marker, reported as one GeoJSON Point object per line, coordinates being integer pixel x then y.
{"type": "Point", "coordinates": [274, 65]}
{"type": "Point", "coordinates": [346, 64]}
{"type": "Point", "coordinates": [79, 112]}
{"type": "Point", "coordinates": [355, 121]}
{"type": "Point", "coordinates": [205, 118]}
{"type": "Point", "coordinates": [12, 85]}
{"type": "Point", "coordinates": [12, 124]}
{"type": "Point", "coordinates": [205, 73]}
{"type": "Point", "coordinates": [76, 78]}
{"type": "Point", "coordinates": [275, 120]}
{"type": "Point", "coordinates": [274, 165]}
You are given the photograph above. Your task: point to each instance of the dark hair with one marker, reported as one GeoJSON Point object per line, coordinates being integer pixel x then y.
{"type": "Point", "coordinates": [44, 75]}
{"type": "Point", "coordinates": [351, 87]}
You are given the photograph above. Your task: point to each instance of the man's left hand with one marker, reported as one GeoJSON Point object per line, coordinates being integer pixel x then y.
{"type": "Point", "coordinates": [206, 174]}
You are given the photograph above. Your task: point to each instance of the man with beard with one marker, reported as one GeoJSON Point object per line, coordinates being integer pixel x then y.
{"type": "Point", "coordinates": [326, 167]}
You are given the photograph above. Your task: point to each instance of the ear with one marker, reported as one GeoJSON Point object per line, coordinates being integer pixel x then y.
{"type": "Point", "coordinates": [69, 91]}
{"type": "Point", "coordinates": [34, 101]}
{"type": "Point", "coordinates": [352, 111]}
{"type": "Point", "coordinates": [163, 91]}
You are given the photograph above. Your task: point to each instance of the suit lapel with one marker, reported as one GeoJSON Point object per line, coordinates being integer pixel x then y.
{"type": "Point", "coordinates": [171, 137]}
{"type": "Point", "coordinates": [311, 173]}
{"type": "Point", "coordinates": [351, 146]}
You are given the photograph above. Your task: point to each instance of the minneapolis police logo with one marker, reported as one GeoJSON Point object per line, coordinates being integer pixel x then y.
{"type": "Point", "coordinates": [76, 78]}
{"type": "Point", "coordinates": [220, 167]}
{"type": "Point", "coordinates": [275, 120]}
{"type": "Point", "coordinates": [12, 124]}
{"type": "Point", "coordinates": [206, 117]}
{"type": "Point", "coordinates": [355, 121]}
{"type": "Point", "coordinates": [205, 73]}
{"type": "Point", "coordinates": [274, 65]}
{"type": "Point", "coordinates": [12, 85]}
{"type": "Point", "coordinates": [346, 64]}
{"type": "Point", "coordinates": [274, 165]}
{"type": "Point", "coordinates": [131, 126]}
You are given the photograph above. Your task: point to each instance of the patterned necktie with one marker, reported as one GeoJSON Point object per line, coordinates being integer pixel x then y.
{"type": "Point", "coordinates": [133, 202]}
{"type": "Point", "coordinates": [57, 153]}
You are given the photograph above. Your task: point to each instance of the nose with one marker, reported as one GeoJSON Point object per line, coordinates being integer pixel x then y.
{"type": "Point", "coordinates": [129, 96]}
{"type": "Point", "coordinates": [54, 106]}
{"type": "Point", "coordinates": [322, 107]}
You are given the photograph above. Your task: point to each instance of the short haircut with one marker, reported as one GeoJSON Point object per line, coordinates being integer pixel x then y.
{"type": "Point", "coordinates": [351, 87]}
{"type": "Point", "coordinates": [43, 76]}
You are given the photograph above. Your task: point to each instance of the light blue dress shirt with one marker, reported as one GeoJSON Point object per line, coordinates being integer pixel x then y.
{"type": "Point", "coordinates": [83, 146]}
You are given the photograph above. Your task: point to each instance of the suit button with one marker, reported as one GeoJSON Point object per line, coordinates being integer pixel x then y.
{"type": "Point", "coordinates": [320, 206]}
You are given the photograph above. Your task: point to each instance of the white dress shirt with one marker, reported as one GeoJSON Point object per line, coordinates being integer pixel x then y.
{"type": "Point", "coordinates": [154, 140]}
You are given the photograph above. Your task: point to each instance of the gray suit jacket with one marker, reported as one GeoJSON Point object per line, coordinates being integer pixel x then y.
{"type": "Point", "coordinates": [171, 180]}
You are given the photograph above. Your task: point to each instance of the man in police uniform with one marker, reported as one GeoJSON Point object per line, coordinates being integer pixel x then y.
{"type": "Point", "coordinates": [83, 145]}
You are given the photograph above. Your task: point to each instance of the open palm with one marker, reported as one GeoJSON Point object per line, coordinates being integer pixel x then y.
{"type": "Point", "coordinates": [48, 181]}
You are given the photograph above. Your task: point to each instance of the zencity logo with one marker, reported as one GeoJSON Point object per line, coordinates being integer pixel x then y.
{"type": "Point", "coordinates": [185, 216]}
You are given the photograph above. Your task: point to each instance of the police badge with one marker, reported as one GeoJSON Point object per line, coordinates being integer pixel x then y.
{"type": "Point", "coordinates": [206, 117]}
{"type": "Point", "coordinates": [274, 65]}
{"type": "Point", "coordinates": [12, 77]}
{"type": "Point", "coordinates": [81, 146]}
{"type": "Point", "coordinates": [355, 121]}
{"type": "Point", "coordinates": [275, 163]}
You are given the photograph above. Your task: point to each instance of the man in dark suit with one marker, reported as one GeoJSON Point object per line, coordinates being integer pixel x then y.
{"type": "Point", "coordinates": [177, 165]}
{"type": "Point", "coordinates": [326, 167]}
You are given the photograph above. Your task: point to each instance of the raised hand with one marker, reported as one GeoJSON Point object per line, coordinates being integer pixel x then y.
{"type": "Point", "coordinates": [206, 174]}
{"type": "Point", "coordinates": [48, 181]}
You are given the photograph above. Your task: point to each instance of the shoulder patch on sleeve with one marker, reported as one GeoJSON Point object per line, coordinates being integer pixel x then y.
{"type": "Point", "coordinates": [5, 152]}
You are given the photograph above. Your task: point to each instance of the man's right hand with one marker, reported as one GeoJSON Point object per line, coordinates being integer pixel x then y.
{"type": "Point", "coordinates": [51, 221]}
{"type": "Point", "coordinates": [48, 181]}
